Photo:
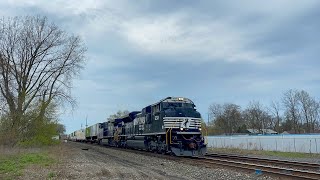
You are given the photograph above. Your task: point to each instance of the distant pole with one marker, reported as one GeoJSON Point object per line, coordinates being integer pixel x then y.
{"type": "Point", "coordinates": [87, 121]}
{"type": "Point", "coordinates": [208, 118]}
{"type": "Point", "coordinates": [263, 127]}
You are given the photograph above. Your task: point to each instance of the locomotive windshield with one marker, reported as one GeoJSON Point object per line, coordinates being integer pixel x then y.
{"type": "Point", "coordinates": [176, 109]}
{"type": "Point", "coordinates": [167, 105]}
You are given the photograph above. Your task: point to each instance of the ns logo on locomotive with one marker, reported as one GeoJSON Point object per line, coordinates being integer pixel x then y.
{"type": "Point", "coordinates": [172, 125]}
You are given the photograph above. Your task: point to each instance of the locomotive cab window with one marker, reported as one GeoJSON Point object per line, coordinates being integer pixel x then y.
{"type": "Point", "coordinates": [168, 105]}
{"type": "Point", "coordinates": [156, 109]}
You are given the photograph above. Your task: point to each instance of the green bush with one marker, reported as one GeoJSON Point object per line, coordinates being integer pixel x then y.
{"type": "Point", "coordinates": [36, 127]}
{"type": "Point", "coordinates": [41, 136]}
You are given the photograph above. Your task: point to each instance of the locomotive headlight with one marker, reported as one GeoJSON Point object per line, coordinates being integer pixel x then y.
{"type": "Point", "coordinates": [181, 129]}
{"type": "Point", "coordinates": [199, 129]}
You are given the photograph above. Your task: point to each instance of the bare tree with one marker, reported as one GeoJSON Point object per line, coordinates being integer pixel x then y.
{"type": "Point", "coordinates": [291, 105]}
{"type": "Point", "coordinates": [232, 114]}
{"type": "Point", "coordinates": [226, 117]}
{"type": "Point", "coordinates": [315, 116]}
{"type": "Point", "coordinates": [37, 64]}
{"type": "Point", "coordinates": [61, 129]}
{"type": "Point", "coordinates": [275, 110]}
{"type": "Point", "coordinates": [256, 116]}
{"type": "Point", "coordinates": [311, 112]}
{"type": "Point", "coordinates": [306, 103]}
{"type": "Point", "coordinates": [119, 114]}
{"type": "Point", "coordinates": [215, 111]}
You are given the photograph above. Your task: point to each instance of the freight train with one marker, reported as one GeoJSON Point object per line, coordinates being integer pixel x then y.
{"type": "Point", "coordinates": [172, 125]}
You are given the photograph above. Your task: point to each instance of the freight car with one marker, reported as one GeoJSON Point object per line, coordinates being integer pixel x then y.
{"type": "Point", "coordinates": [172, 125]}
{"type": "Point", "coordinates": [92, 133]}
{"type": "Point", "coordinates": [78, 136]}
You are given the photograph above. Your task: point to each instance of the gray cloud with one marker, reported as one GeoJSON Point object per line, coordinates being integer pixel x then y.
{"type": "Point", "coordinates": [208, 51]}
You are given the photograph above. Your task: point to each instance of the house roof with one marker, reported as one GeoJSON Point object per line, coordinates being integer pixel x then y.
{"type": "Point", "coordinates": [285, 132]}
{"type": "Point", "coordinates": [265, 131]}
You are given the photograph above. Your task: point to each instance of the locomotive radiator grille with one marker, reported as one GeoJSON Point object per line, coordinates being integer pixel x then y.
{"type": "Point", "coordinates": [182, 122]}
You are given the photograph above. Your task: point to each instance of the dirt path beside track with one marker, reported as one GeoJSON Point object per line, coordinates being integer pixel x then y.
{"type": "Point", "coordinates": [84, 161]}
{"type": "Point", "coordinates": [105, 163]}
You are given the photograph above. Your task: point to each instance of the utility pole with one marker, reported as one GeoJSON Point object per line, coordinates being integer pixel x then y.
{"type": "Point", "coordinates": [86, 126]}
{"type": "Point", "coordinates": [86, 121]}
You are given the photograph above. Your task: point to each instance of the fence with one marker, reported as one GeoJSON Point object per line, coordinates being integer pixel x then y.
{"type": "Point", "coordinates": [284, 143]}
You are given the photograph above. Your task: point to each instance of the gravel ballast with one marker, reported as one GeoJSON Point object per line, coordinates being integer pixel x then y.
{"type": "Point", "coordinates": [85, 161]}
{"type": "Point", "coordinates": [312, 158]}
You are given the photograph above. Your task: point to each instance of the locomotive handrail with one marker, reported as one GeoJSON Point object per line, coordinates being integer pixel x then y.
{"type": "Point", "coordinates": [190, 139]}
{"type": "Point", "coordinates": [170, 136]}
{"type": "Point", "coordinates": [170, 131]}
{"type": "Point", "coordinates": [167, 135]}
{"type": "Point", "coordinates": [185, 138]}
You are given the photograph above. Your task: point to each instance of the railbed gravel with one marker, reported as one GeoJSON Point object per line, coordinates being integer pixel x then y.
{"type": "Point", "coordinates": [98, 162]}
{"type": "Point", "coordinates": [310, 159]}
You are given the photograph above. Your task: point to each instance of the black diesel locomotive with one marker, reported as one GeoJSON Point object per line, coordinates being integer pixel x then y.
{"type": "Point", "coordinates": [172, 125]}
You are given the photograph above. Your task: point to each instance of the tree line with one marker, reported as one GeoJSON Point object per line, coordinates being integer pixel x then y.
{"type": "Point", "coordinates": [296, 112]}
{"type": "Point", "coordinates": [38, 61]}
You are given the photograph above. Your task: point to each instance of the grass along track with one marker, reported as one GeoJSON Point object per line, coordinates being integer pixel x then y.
{"type": "Point", "coordinates": [12, 166]}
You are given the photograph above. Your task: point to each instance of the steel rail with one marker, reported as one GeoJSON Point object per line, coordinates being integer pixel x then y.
{"type": "Point", "coordinates": [205, 160]}
{"type": "Point", "coordinates": [291, 164]}
{"type": "Point", "coordinates": [286, 172]}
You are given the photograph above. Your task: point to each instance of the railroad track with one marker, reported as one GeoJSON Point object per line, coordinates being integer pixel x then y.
{"type": "Point", "coordinates": [268, 161]}
{"type": "Point", "coordinates": [268, 166]}
{"type": "Point", "coordinates": [252, 164]}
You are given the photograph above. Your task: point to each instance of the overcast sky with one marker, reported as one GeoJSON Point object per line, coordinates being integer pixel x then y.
{"type": "Point", "coordinates": [209, 51]}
